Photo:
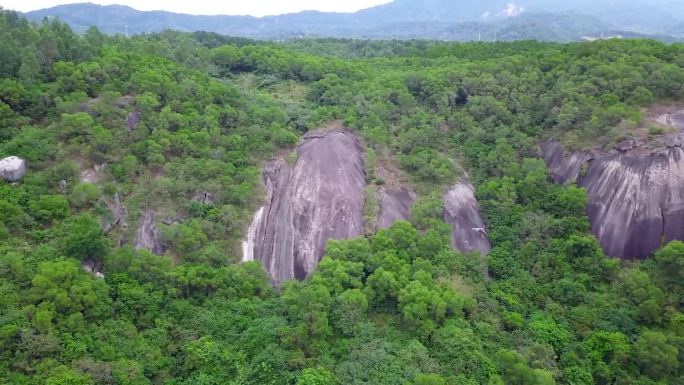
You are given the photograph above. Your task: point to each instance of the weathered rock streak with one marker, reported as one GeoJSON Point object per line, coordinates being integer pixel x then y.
{"type": "Point", "coordinates": [635, 192]}
{"type": "Point", "coordinates": [319, 198]}
{"type": "Point", "coordinates": [462, 212]}
{"type": "Point", "coordinates": [394, 205]}
{"type": "Point", "coordinates": [147, 236]}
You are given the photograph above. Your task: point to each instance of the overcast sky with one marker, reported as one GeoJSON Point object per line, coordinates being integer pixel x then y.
{"type": "Point", "coordinates": [208, 7]}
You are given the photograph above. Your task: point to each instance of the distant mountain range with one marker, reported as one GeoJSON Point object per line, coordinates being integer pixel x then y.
{"type": "Point", "coordinates": [452, 20]}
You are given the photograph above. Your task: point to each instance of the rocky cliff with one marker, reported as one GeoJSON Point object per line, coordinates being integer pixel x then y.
{"type": "Point", "coordinates": [321, 197]}
{"type": "Point", "coordinates": [318, 198]}
{"type": "Point", "coordinates": [635, 190]}
{"type": "Point", "coordinates": [462, 212]}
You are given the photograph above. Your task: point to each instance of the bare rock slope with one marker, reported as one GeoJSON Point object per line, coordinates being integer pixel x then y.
{"type": "Point", "coordinates": [147, 236]}
{"type": "Point", "coordinates": [320, 197]}
{"type": "Point", "coordinates": [462, 212]}
{"type": "Point", "coordinates": [394, 204]}
{"type": "Point", "coordinates": [635, 191]}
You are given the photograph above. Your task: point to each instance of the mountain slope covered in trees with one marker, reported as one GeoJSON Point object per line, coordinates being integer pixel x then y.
{"type": "Point", "coordinates": [467, 20]}
{"type": "Point", "coordinates": [397, 306]}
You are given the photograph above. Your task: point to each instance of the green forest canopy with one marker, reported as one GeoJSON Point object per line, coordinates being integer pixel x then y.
{"type": "Point", "coordinates": [396, 307]}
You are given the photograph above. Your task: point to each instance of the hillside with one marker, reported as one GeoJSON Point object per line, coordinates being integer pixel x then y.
{"type": "Point", "coordinates": [405, 19]}
{"type": "Point", "coordinates": [189, 208]}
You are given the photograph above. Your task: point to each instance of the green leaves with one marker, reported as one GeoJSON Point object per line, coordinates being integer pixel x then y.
{"type": "Point", "coordinates": [655, 355]}
{"type": "Point", "coordinates": [83, 239]}
{"type": "Point", "coordinates": [63, 293]}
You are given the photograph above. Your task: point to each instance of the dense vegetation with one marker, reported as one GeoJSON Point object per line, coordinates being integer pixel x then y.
{"type": "Point", "coordinates": [398, 307]}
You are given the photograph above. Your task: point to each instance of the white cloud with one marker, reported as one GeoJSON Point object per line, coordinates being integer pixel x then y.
{"type": "Point", "coordinates": [207, 7]}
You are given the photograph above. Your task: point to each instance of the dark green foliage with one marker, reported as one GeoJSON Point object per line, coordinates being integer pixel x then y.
{"type": "Point", "coordinates": [83, 239]}
{"type": "Point", "coordinates": [395, 307]}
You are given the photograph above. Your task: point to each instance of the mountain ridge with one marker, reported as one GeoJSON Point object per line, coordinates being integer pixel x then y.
{"type": "Point", "coordinates": [418, 19]}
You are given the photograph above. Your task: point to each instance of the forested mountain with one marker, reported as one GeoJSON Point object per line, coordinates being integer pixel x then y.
{"type": "Point", "coordinates": [478, 213]}
{"type": "Point", "coordinates": [464, 20]}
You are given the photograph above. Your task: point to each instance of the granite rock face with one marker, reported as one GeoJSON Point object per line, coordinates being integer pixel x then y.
{"type": "Point", "coordinates": [147, 235]}
{"type": "Point", "coordinates": [12, 168]}
{"type": "Point", "coordinates": [635, 191]}
{"type": "Point", "coordinates": [318, 198]}
{"type": "Point", "coordinates": [132, 120]}
{"type": "Point", "coordinates": [394, 205]}
{"type": "Point", "coordinates": [462, 212]}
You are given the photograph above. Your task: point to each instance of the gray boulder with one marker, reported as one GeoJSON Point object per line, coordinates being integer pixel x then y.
{"type": "Point", "coordinates": [12, 168]}
{"type": "Point", "coordinates": [318, 198]}
{"type": "Point", "coordinates": [394, 205]}
{"type": "Point", "coordinates": [462, 212]}
{"type": "Point", "coordinates": [635, 197]}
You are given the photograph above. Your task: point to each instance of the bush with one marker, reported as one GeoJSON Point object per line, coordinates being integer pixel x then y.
{"type": "Point", "coordinates": [83, 195]}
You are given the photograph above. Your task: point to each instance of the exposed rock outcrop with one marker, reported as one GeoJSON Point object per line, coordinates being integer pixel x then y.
{"type": "Point", "coordinates": [394, 205]}
{"type": "Point", "coordinates": [674, 119]}
{"type": "Point", "coordinates": [204, 197]}
{"type": "Point", "coordinates": [319, 198]}
{"type": "Point", "coordinates": [462, 212]}
{"type": "Point", "coordinates": [132, 120]}
{"type": "Point", "coordinates": [12, 168]}
{"type": "Point", "coordinates": [147, 236]}
{"type": "Point", "coordinates": [635, 191]}
{"type": "Point", "coordinates": [93, 268]}
{"type": "Point", "coordinates": [116, 218]}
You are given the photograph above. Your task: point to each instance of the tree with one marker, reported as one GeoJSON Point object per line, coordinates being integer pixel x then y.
{"type": "Point", "coordinates": [11, 215]}
{"type": "Point", "coordinates": [76, 126]}
{"type": "Point", "coordinates": [460, 351]}
{"type": "Point", "coordinates": [315, 376]}
{"type": "Point", "coordinates": [307, 307]}
{"type": "Point", "coordinates": [65, 376]}
{"type": "Point", "coordinates": [49, 208]}
{"type": "Point", "coordinates": [83, 239]}
{"type": "Point", "coordinates": [516, 372]}
{"type": "Point", "coordinates": [654, 355]}
{"type": "Point", "coordinates": [213, 363]}
{"type": "Point", "coordinates": [428, 379]}
{"type": "Point", "coordinates": [83, 195]}
{"type": "Point", "coordinates": [349, 311]}
{"type": "Point", "coordinates": [670, 263]}
{"type": "Point", "coordinates": [64, 293]}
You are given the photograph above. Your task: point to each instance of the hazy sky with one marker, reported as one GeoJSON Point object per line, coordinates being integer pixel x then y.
{"type": "Point", "coordinates": [208, 7]}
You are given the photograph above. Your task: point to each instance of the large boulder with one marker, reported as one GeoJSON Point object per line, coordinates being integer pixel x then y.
{"type": "Point", "coordinates": [318, 198]}
{"type": "Point", "coordinates": [635, 193]}
{"type": "Point", "coordinates": [462, 212]}
{"type": "Point", "coordinates": [12, 168]}
{"type": "Point", "coordinates": [394, 204]}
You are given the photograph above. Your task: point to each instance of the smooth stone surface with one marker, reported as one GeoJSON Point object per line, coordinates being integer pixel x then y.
{"type": "Point", "coordinates": [320, 197]}
{"type": "Point", "coordinates": [635, 198]}
{"type": "Point", "coordinates": [394, 205]}
{"type": "Point", "coordinates": [462, 212]}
